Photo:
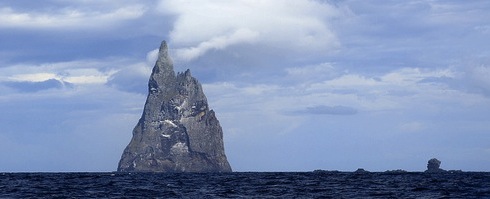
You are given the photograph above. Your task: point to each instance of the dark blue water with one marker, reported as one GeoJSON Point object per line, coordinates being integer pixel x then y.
{"type": "Point", "coordinates": [246, 185]}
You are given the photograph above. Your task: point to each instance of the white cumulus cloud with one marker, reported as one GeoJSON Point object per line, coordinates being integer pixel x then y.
{"type": "Point", "coordinates": [217, 24]}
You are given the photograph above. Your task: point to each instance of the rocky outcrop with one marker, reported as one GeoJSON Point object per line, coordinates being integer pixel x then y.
{"type": "Point", "coordinates": [433, 166]}
{"type": "Point", "coordinates": [361, 170]}
{"type": "Point", "coordinates": [397, 171]}
{"type": "Point", "coordinates": [177, 131]}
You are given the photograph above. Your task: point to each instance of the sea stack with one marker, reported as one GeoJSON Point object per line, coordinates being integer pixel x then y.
{"type": "Point", "coordinates": [177, 131]}
{"type": "Point", "coordinates": [433, 166]}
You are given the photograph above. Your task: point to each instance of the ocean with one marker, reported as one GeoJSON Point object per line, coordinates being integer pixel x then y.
{"type": "Point", "coordinates": [246, 185]}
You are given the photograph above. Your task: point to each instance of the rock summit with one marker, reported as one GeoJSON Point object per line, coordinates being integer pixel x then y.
{"type": "Point", "coordinates": [177, 131]}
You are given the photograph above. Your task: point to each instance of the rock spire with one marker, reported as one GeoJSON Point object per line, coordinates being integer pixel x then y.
{"type": "Point", "coordinates": [177, 131]}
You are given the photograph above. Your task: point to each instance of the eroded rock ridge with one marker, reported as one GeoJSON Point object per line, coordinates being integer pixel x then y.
{"type": "Point", "coordinates": [177, 131]}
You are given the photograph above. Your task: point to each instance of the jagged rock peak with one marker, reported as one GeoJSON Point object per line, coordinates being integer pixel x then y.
{"type": "Point", "coordinates": [164, 61]}
{"type": "Point", "coordinates": [433, 166]}
{"type": "Point", "coordinates": [177, 131]}
{"type": "Point", "coordinates": [163, 73]}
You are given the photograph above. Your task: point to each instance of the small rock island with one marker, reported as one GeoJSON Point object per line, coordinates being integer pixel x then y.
{"type": "Point", "coordinates": [433, 166]}
{"type": "Point", "coordinates": [177, 131]}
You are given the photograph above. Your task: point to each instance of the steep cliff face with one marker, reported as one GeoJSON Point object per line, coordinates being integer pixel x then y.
{"type": "Point", "coordinates": [177, 131]}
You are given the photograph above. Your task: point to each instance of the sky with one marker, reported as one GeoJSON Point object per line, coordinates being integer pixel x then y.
{"type": "Point", "coordinates": [297, 85]}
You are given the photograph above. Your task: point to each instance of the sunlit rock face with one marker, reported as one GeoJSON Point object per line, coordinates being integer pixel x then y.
{"type": "Point", "coordinates": [177, 131]}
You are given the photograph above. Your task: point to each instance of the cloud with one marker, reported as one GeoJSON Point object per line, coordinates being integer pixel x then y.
{"type": "Point", "coordinates": [412, 126]}
{"type": "Point", "coordinates": [347, 81]}
{"type": "Point", "coordinates": [59, 107]}
{"type": "Point", "coordinates": [86, 76]}
{"type": "Point", "coordinates": [217, 43]}
{"type": "Point", "coordinates": [298, 25]}
{"type": "Point", "coordinates": [75, 72]}
{"type": "Point", "coordinates": [38, 86]}
{"type": "Point", "coordinates": [450, 13]}
{"type": "Point", "coordinates": [415, 75]}
{"type": "Point", "coordinates": [74, 18]}
{"type": "Point", "coordinates": [75, 76]}
{"type": "Point", "coordinates": [35, 77]}
{"type": "Point", "coordinates": [312, 73]}
{"type": "Point", "coordinates": [477, 77]}
{"type": "Point", "coordinates": [133, 78]}
{"type": "Point", "coordinates": [120, 74]}
{"type": "Point", "coordinates": [151, 57]}
{"type": "Point", "coordinates": [485, 29]}
{"type": "Point", "coordinates": [341, 93]}
{"type": "Point", "coordinates": [402, 78]}
{"type": "Point", "coordinates": [87, 127]}
{"type": "Point", "coordinates": [327, 110]}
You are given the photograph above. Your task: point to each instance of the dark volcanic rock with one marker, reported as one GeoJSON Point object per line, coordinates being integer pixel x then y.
{"type": "Point", "coordinates": [177, 131]}
{"type": "Point", "coordinates": [433, 166]}
{"type": "Point", "coordinates": [396, 171]}
{"type": "Point", "coordinates": [361, 170]}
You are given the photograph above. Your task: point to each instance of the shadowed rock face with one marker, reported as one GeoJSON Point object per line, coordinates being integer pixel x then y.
{"type": "Point", "coordinates": [177, 131]}
{"type": "Point", "coordinates": [433, 165]}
